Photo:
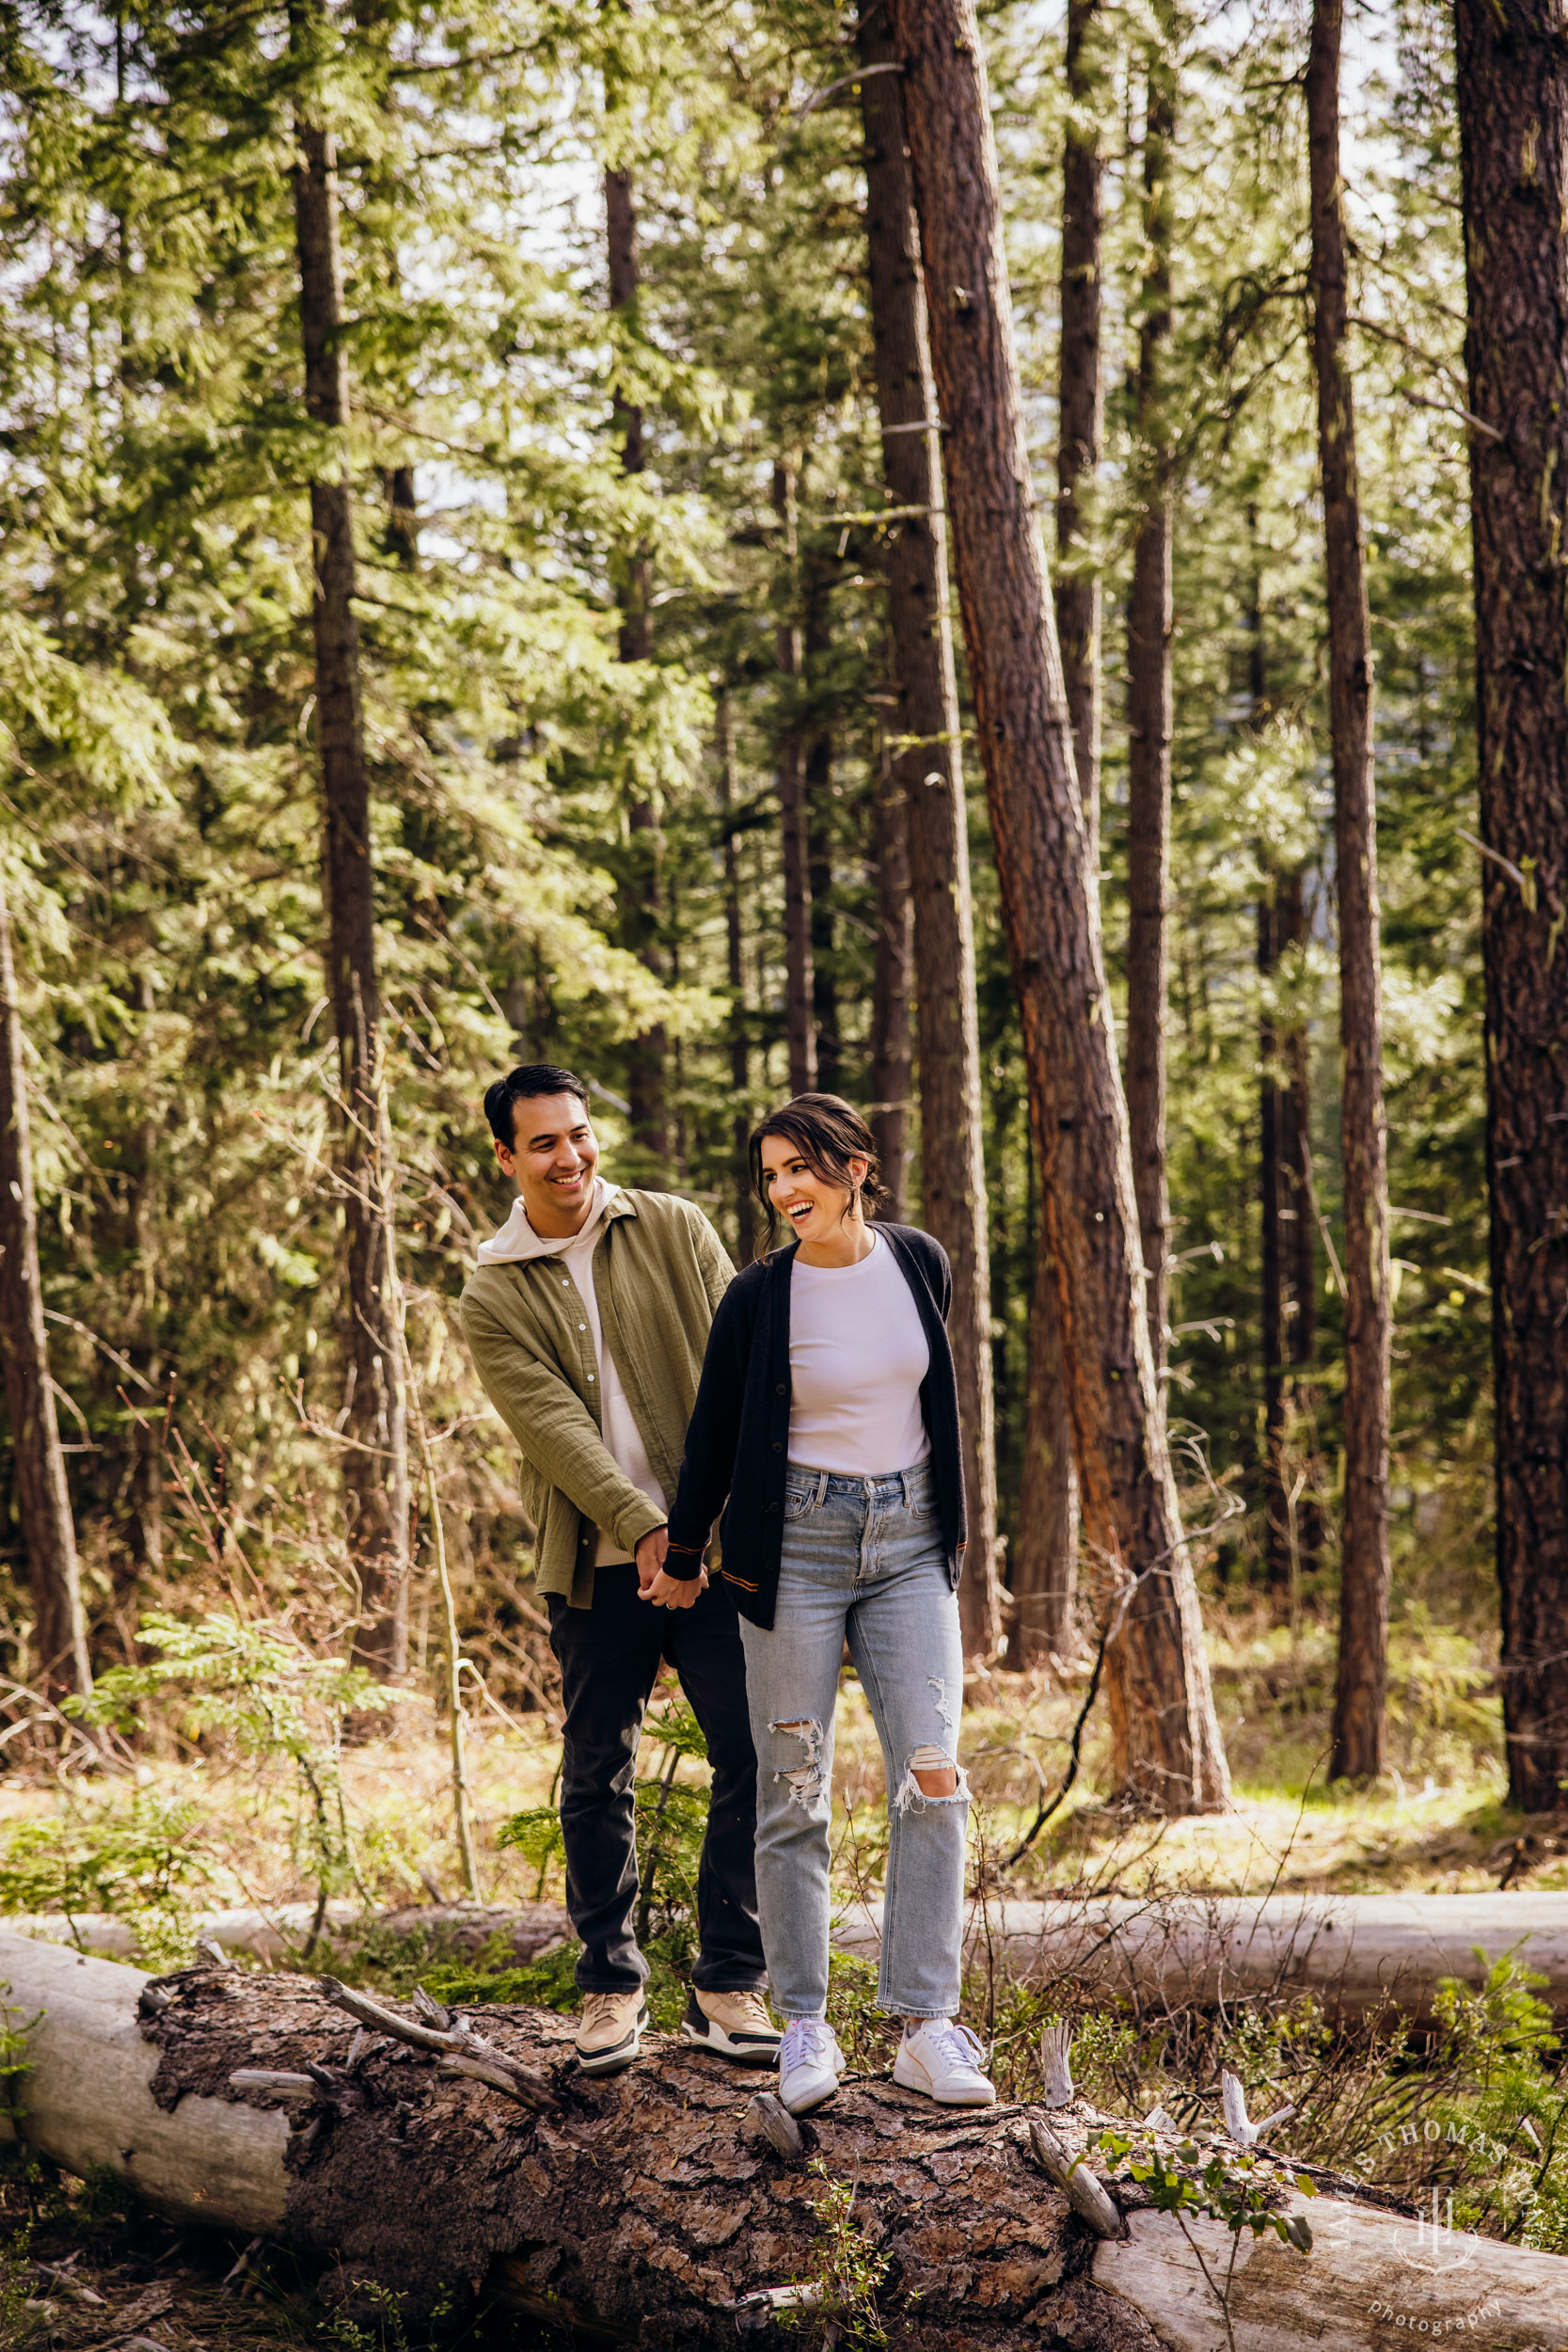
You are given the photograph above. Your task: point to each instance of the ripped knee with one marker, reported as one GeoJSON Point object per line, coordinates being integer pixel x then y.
{"type": "Point", "coordinates": [805, 1778]}
{"type": "Point", "coordinates": [931, 1777]}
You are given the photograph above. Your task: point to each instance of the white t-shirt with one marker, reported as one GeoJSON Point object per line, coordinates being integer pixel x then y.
{"type": "Point", "coordinates": [623, 1438]}
{"type": "Point", "coordinates": [516, 1244]}
{"type": "Point", "coordinates": [858, 1354]}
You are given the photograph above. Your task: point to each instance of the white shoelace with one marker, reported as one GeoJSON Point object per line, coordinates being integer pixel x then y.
{"type": "Point", "coordinates": [805, 2038]}
{"type": "Point", "coordinates": [954, 2044]}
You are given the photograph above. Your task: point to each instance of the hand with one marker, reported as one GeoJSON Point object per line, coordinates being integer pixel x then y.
{"type": "Point", "coordinates": [673, 1591]}
{"type": "Point", "coordinates": [650, 1558]}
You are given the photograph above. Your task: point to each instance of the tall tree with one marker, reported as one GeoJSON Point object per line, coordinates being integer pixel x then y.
{"type": "Point", "coordinates": [927, 770]}
{"type": "Point", "coordinates": [640, 892]}
{"type": "Point", "coordinates": [1273, 1159]}
{"type": "Point", "coordinates": [376, 1424]}
{"type": "Point", "coordinates": [1360, 1687]}
{"type": "Point", "coordinates": [1149, 700]}
{"type": "Point", "coordinates": [1512, 65]}
{"type": "Point", "coordinates": [1167, 1743]}
{"type": "Point", "coordinates": [735, 974]}
{"type": "Point", "coordinates": [799, 1021]}
{"type": "Point", "coordinates": [42, 1498]}
{"type": "Point", "coordinates": [1299, 1245]}
{"type": "Point", "coordinates": [1044, 1555]}
{"type": "Point", "coordinates": [816, 646]}
{"type": "Point", "coordinates": [891, 1042]}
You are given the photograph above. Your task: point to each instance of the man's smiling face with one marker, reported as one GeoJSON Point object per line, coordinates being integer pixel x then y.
{"type": "Point", "coordinates": [553, 1158]}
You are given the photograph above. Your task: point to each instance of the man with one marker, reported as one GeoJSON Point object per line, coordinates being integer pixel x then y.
{"type": "Point", "coordinates": [588, 1317]}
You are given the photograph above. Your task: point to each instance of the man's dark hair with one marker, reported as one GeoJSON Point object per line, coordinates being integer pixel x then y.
{"type": "Point", "coordinates": [828, 1133]}
{"type": "Point", "coordinates": [518, 1086]}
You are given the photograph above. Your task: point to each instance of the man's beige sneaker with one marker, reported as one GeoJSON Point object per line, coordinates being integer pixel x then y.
{"type": "Point", "coordinates": [735, 2024]}
{"type": "Point", "coordinates": [610, 2030]}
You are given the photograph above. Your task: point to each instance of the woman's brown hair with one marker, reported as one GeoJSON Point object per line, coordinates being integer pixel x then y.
{"type": "Point", "coordinates": [827, 1133]}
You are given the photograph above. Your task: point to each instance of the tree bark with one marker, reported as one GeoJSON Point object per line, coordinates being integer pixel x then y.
{"type": "Point", "coordinates": [646, 1081]}
{"type": "Point", "coordinates": [1360, 1687]}
{"type": "Point", "coordinates": [1166, 1738]}
{"type": "Point", "coordinates": [891, 1050]}
{"type": "Point", "coordinates": [1149, 707]}
{"type": "Point", "coordinates": [643, 2208]}
{"type": "Point", "coordinates": [816, 646]}
{"type": "Point", "coordinates": [1277, 1509]}
{"type": "Point", "coordinates": [42, 1496]}
{"type": "Point", "coordinates": [1045, 1548]}
{"type": "Point", "coordinates": [735, 974]}
{"type": "Point", "coordinates": [375, 1461]}
{"type": "Point", "coordinates": [1514, 123]}
{"type": "Point", "coordinates": [1299, 1247]}
{"type": "Point", "coordinates": [1082, 404]}
{"type": "Point", "coordinates": [1044, 1554]}
{"type": "Point", "coordinates": [800, 1024]}
{"type": "Point", "coordinates": [927, 769]}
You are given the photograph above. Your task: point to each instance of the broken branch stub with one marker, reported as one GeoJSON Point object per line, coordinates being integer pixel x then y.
{"type": "Point", "coordinates": [501, 2070]}
{"type": "Point", "coordinates": [1056, 2063]}
{"type": "Point", "coordinates": [1243, 2131]}
{"type": "Point", "coordinates": [768, 2118]}
{"type": "Point", "coordinates": [1088, 2196]}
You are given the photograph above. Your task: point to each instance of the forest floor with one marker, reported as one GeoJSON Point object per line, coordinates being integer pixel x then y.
{"type": "Point", "coordinates": [193, 1829]}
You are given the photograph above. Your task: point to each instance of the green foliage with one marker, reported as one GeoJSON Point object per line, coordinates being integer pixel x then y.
{"type": "Point", "coordinates": [261, 1686]}
{"type": "Point", "coordinates": [140, 1858]}
{"type": "Point", "coordinates": [1214, 2182]}
{"type": "Point", "coordinates": [19, 2325]}
{"type": "Point", "coordinates": [846, 2268]}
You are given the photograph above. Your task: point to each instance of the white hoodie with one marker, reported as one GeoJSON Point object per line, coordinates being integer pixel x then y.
{"type": "Point", "coordinates": [515, 1244]}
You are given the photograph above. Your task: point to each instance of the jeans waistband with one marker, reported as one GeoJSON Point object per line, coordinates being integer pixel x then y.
{"type": "Point", "coordinates": [909, 1484]}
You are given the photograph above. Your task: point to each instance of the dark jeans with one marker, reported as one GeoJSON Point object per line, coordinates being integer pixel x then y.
{"type": "Point", "coordinates": [610, 1657]}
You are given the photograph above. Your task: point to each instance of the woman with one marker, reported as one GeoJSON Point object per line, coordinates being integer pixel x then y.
{"type": "Point", "coordinates": [828, 1416]}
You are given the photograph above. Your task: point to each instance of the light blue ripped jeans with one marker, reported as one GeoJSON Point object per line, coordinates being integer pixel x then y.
{"type": "Point", "coordinates": [862, 1559]}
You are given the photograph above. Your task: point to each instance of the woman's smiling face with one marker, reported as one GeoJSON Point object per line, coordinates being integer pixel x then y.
{"type": "Point", "coordinates": [811, 1205]}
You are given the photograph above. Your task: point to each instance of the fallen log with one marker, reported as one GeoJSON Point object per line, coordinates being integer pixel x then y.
{"type": "Point", "coordinates": [658, 2206]}
{"type": "Point", "coordinates": [1356, 1953]}
{"type": "Point", "coordinates": [283, 1931]}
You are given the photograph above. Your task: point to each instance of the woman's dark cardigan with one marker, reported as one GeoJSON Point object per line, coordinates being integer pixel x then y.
{"type": "Point", "coordinates": [738, 1445]}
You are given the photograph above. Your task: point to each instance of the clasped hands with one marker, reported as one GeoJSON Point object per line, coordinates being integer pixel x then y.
{"type": "Point", "coordinates": [665, 1592]}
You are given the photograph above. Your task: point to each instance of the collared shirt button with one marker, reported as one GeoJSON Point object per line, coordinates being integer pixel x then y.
{"type": "Point", "coordinates": [590, 1376]}
{"type": "Point", "coordinates": [783, 1389]}
{"type": "Point", "coordinates": [772, 1506]}
{"type": "Point", "coordinates": [778, 1447]}
{"type": "Point", "coordinates": [582, 1327]}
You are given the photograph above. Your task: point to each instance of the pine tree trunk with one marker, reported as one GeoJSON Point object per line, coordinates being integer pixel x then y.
{"type": "Point", "coordinates": [640, 893]}
{"type": "Point", "coordinates": [800, 1024]}
{"type": "Point", "coordinates": [145, 1434]}
{"type": "Point", "coordinates": [1082, 404]}
{"type": "Point", "coordinates": [1045, 1549]}
{"type": "Point", "coordinates": [1044, 1555]}
{"type": "Point", "coordinates": [1358, 1738]}
{"type": "Point", "coordinates": [1149, 712]}
{"type": "Point", "coordinates": [1277, 1509]}
{"type": "Point", "coordinates": [1166, 1744]}
{"type": "Point", "coordinates": [376, 1460]}
{"type": "Point", "coordinates": [1299, 1248]}
{"type": "Point", "coordinates": [1513, 121]}
{"type": "Point", "coordinates": [891, 1050]}
{"type": "Point", "coordinates": [735, 973]}
{"type": "Point", "coordinates": [42, 1497]}
{"type": "Point", "coordinates": [928, 770]}
{"type": "Point", "coordinates": [1273, 1149]}
{"type": "Point", "coordinates": [816, 646]}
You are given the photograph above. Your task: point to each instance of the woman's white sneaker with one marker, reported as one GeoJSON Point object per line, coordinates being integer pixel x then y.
{"type": "Point", "coordinates": [945, 2061]}
{"type": "Point", "coordinates": [810, 2064]}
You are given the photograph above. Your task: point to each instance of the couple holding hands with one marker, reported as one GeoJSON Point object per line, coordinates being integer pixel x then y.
{"type": "Point", "coordinates": [808, 1405]}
